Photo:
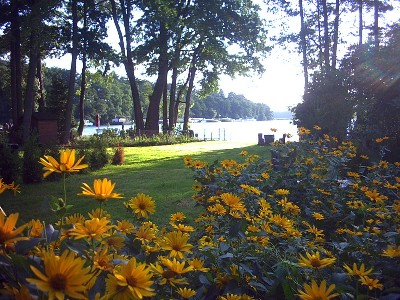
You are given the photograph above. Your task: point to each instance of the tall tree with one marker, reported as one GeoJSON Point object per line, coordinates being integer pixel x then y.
{"type": "Point", "coordinates": [123, 14]}
{"type": "Point", "coordinates": [72, 73]}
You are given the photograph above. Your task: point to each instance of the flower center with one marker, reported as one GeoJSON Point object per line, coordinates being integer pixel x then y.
{"type": "Point", "coordinates": [169, 274]}
{"type": "Point", "coordinates": [315, 262]}
{"type": "Point", "coordinates": [58, 282]}
{"type": "Point", "coordinates": [131, 281]}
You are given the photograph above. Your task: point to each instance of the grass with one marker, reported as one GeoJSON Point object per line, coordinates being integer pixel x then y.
{"type": "Point", "coordinates": [157, 171]}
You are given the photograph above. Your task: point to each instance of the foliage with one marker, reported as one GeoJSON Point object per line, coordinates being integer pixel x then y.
{"type": "Point", "coordinates": [119, 157]}
{"type": "Point", "coordinates": [234, 106]}
{"type": "Point", "coordinates": [31, 171]}
{"type": "Point", "coordinates": [268, 230]}
{"type": "Point", "coordinates": [10, 162]}
{"type": "Point", "coordinates": [96, 152]}
{"type": "Point", "coordinates": [327, 104]}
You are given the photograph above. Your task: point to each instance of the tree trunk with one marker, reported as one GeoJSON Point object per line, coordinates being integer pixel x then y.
{"type": "Point", "coordinates": [165, 126]}
{"type": "Point", "coordinates": [172, 98]}
{"type": "Point", "coordinates": [320, 49]}
{"type": "Point", "coordinates": [192, 74]}
{"type": "Point", "coordinates": [39, 75]}
{"type": "Point", "coordinates": [376, 24]}
{"type": "Point", "coordinates": [128, 59]}
{"type": "Point", "coordinates": [15, 64]}
{"type": "Point", "coordinates": [33, 61]}
{"type": "Point", "coordinates": [72, 75]}
{"type": "Point", "coordinates": [83, 74]}
{"type": "Point", "coordinates": [335, 35]}
{"type": "Point", "coordinates": [153, 112]}
{"type": "Point", "coordinates": [360, 22]}
{"type": "Point", "coordinates": [326, 36]}
{"type": "Point", "coordinates": [303, 45]}
{"type": "Point", "coordinates": [188, 98]}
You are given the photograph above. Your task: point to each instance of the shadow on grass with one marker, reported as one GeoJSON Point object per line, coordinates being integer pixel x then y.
{"type": "Point", "coordinates": [161, 175]}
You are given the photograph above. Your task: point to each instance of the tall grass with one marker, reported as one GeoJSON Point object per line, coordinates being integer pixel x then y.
{"type": "Point", "coordinates": [157, 171]}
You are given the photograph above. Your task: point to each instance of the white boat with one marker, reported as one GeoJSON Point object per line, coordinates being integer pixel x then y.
{"type": "Point", "coordinates": [87, 123]}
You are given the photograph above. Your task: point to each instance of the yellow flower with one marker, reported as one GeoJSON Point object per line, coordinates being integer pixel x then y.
{"type": "Point", "coordinates": [102, 260]}
{"type": "Point", "coordinates": [67, 163]}
{"type": "Point", "coordinates": [380, 140]}
{"type": "Point", "coordinates": [188, 161]}
{"type": "Point", "coordinates": [94, 229]}
{"type": "Point", "coordinates": [35, 228]}
{"type": "Point", "coordinates": [206, 241]}
{"type": "Point", "coordinates": [17, 293]}
{"type": "Point", "coordinates": [392, 251]}
{"type": "Point", "coordinates": [145, 234]}
{"type": "Point", "coordinates": [230, 297]}
{"type": "Point", "coordinates": [197, 164]}
{"type": "Point", "coordinates": [282, 192]}
{"type": "Point", "coordinates": [182, 227]}
{"type": "Point", "coordinates": [177, 243]}
{"type": "Point", "coordinates": [114, 242]}
{"type": "Point", "coordinates": [176, 266]}
{"type": "Point", "coordinates": [3, 186]}
{"type": "Point", "coordinates": [130, 281]}
{"type": "Point", "coordinates": [102, 190]}
{"type": "Point", "coordinates": [314, 261]}
{"type": "Point", "coordinates": [8, 234]}
{"type": "Point", "coordinates": [63, 275]}
{"type": "Point", "coordinates": [74, 219]}
{"type": "Point", "coordinates": [186, 293]}
{"type": "Point", "coordinates": [315, 292]}
{"type": "Point", "coordinates": [168, 276]}
{"type": "Point", "coordinates": [197, 187]}
{"type": "Point", "coordinates": [318, 216]}
{"type": "Point", "coordinates": [12, 187]}
{"type": "Point", "coordinates": [99, 213]}
{"type": "Point", "coordinates": [198, 265]}
{"type": "Point", "coordinates": [142, 205]}
{"type": "Point", "coordinates": [125, 227]}
{"type": "Point", "coordinates": [316, 127]}
{"type": "Point", "coordinates": [357, 271]}
{"type": "Point", "coordinates": [371, 283]}
{"type": "Point", "coordinates": [234, 202]}
{"type": "Point", "coordinates": [375, 196]}
{"type": "Point", "coordinates": [303, 131]}
{"type": "Point", "coordinates": [177, 217]}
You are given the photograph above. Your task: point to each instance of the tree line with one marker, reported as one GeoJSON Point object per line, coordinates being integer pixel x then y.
{"type": "Point", "coordinates": [233, 106]}
{"type": "Point", "coordinates": [185, 42]}
{"type": "Point", "coordinates": [355, 95]}
{"type": "Point", "coordinates": [348, 49]}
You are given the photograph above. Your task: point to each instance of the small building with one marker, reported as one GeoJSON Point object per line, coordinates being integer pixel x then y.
{"type": "Point", "coordinates": [45, 123]}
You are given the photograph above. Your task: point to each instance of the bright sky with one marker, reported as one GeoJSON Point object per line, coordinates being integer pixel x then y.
{"type": "Point", "coordinates": [281, 86]}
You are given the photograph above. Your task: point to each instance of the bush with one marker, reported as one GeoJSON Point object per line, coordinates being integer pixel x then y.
{"type": "Point", "coordinates": [10, 162]}
{"type": "Point", "coordinates": [119, 157]}
{"type": "Point", "coordinates": [312, 224]}
{"type": "Point", "coordinates": [31, 169]}
{"type": "Point", "coordinates": [95, 151]}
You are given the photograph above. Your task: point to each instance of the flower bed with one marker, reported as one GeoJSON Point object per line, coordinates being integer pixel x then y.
{"type": "Point", "coordinates": [320, 221]}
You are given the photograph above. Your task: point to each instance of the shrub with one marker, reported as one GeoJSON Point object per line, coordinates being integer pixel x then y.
{"type": "Point", "coordinates": [10, 162]}
{"type": "Point", "coordinates": [31, 169]}
{"type": "Point", "coordinates": [305, 225]}
{"type": "Point", "coordinates": [119, 157]}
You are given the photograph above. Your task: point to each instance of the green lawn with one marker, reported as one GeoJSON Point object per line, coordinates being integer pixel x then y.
{"type": "Point", "coordinates": [157, 171]}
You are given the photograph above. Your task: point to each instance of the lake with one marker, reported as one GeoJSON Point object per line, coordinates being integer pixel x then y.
{"type": "Point", "coordinates": [235, 131]}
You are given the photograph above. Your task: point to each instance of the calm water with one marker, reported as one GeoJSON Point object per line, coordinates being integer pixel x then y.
{"type": "Point", "coordinates": [245, 131]}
